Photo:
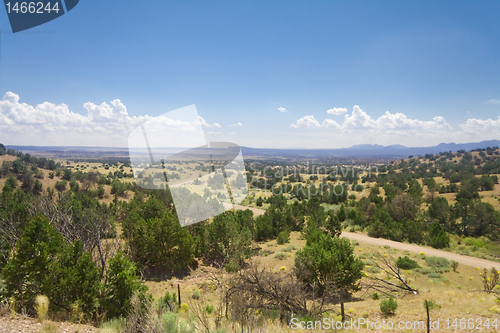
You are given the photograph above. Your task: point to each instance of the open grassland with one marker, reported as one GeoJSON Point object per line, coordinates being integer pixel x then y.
{"type": "Point", "coordinates": [458, 294]}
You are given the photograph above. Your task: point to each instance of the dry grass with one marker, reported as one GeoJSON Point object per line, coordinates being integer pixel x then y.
{"type": "Point", "coordinates": [41, 307]}
{"type": "Point", "coordinates": [459, 293]}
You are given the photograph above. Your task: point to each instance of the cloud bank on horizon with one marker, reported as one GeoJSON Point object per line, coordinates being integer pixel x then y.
{"type": "Point", "coordinates": [108, 125]}
{"type": "Point", "coordinates": [399, 126]}
{"type": "Point", "coordinates": [105, 125]}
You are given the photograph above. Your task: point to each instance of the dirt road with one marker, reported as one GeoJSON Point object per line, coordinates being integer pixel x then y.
{"type": "Point", "coordinates": [256, 211]}
{"type": "Point", "coordinates": [429, 251]}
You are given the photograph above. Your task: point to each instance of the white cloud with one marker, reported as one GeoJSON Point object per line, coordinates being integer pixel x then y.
{"type": "Point", "coordinates": [401, 122]}
{"type": "Point", "coordinates": [212, 133]}
{"type": "Point", "coordinates": [493, 101]}
{"type": "Point", "coordinates": [337, 111]}
{"type": "Point", "coordinates": [307, 122]}
{"type": "Point", "coordinates": [52, 124]}
{"type": "Point", "coordinates": [237, 124]}
{"type": "Point", "coordinates": [204, 123]}
{"type": "Point", "coordinates": [330, 123]}
{"type": "Point", "coordinates": [481, 127]}
{"type": "Point", "coordinates": [281, 109]}
{"type": "Point", "coordinates": [360, 120]}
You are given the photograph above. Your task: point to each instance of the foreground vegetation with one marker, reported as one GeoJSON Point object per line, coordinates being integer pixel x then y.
{"type": "Point", "coordinates": [126, 264]}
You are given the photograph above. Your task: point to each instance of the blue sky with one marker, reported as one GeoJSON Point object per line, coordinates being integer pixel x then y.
{"type": "Point", "coordinates": [434, 66]}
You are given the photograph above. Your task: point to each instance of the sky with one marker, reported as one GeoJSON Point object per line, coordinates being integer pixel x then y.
{"type": "Point", "coordinates": [263, 74]}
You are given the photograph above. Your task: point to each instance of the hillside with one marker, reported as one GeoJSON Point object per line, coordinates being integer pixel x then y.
{"type": "Point", "coordinates": [439, 201]}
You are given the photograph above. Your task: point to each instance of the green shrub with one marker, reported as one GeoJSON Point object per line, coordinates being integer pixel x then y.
{"type": "Point", "coordinates": [169, 301]}
{"type": "Point", "coordinates": [45, 264]}
{"type": "Point", "coordinates": [375, 296]}
{"type": "Point", "coordinates": [280, 256]}
{"type": "Point", "coordinates": [437, 262]}
{"type": "Point", "coordinates": [11, 182]}
{"type": "Point", "coordinates": [432, 304]}
{"type": "Point", "coordinates": [289, 248]}
{"type": "Point", "coordinates": [116, 325]}
{"type": "Point", "coordinates": [283, 237]}
{"type": "Point", "coordinates": [388, 306]}
{"type": "Point", "coordinates": [121, 284]}
{"type": "Point", "coordinates": [170, 322]}
{"type": "Point", "coordinates": [232, 266]}
{"type": "Point", "coordinates": [454, 265]}
{"type": "Point", "coordinates": [372, 269]}
{"type": "Point", "coordinates": [406, 263]}
{"type": "Point", "coordinates": [196, 294]}
{"type": "Point", "coordinates": [186, 328]}
{"type": "Point", "coordinates": [209, 308]}
{"type": "Point", "coordinates": [435, 275]}
{"type": "Point", "coordinates": [437, 237]}
{"type": "Point", "coordinates": [159, 242]}
{"type": "Point", "coordinates": [425, 270]}
{"type": "Point", "coordinates": [61, 185]}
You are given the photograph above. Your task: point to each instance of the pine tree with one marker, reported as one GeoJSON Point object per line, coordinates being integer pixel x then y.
{"type": "Point", "coordinates": [438, 238]}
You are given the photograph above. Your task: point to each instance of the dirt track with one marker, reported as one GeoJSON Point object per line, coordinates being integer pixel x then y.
{"type": "Point", "coordinates": [429, 251]}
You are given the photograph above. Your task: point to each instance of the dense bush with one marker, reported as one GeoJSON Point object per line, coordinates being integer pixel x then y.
{"type": "Point", "coordinates": [437, 262]}
{"type": "Point", "coordinates": [437, 237]}
{"type": "Point", "coordinates": [406, 263]}
{"type": "Point", "coordinates": [283, 237]}
{"type": "Point", "coordinates": [61, 185]}
{"type": "Point", "coordinates": [120, 285]}
{"type": "Point", "coordinates": [388, 306]}
{"type": "Point", "coordinates": [161, 242]}
{"type": "Point", "coordinates": [43, 264]}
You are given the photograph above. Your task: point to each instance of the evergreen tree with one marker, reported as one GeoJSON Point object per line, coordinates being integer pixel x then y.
{"type": "Point", "coordinates": [437, 237]}
{"type": "Point", "coordinates": [326, 262]}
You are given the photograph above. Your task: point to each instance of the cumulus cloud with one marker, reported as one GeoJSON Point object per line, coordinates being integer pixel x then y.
{"type": "Point", "coordinates": [281, 109]}
{"type": "Point", "coordinates": [389, 122]}
{"type": "Point", "coordinates": [204, 123]}
{"type": "Point", "coordinates": [237, 124]}
{"type": "Point", "coordinates": [493, 101]}
{"type": "Point", "coordinates": [400, 121]}
{"type": "Point", "coordinates": [54, 124]}
{"type": "Point", "coordinates": [306, 122]}
{"type": "Point", "coordinates": [337, 111]}
{"type": "Point", "coordinates": [330, 123]}
{"type": "Point", "coordinates": [481, 127]}
{"type": "Point", "coordinates": [358, 119]}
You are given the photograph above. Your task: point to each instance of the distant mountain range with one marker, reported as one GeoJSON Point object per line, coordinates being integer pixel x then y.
{"type": "Point", "coordinates": [358, 151]}
{"type": "Point", "coordinates": [367, 150]}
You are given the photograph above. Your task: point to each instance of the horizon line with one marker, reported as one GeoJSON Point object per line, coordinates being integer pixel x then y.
{"type": "Point", "coordinates": [302, 148]}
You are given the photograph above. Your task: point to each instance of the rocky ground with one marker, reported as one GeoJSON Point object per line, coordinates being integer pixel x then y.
{"type": "Point", "coordinates": [26, 324]}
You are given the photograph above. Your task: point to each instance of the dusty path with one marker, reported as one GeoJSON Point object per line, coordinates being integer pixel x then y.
{"type": "Point", "coordinates": [256, 211]}
{"type": "Point", "coordinates": [184, 181]}
{"type": "Point", "coordinates": [429, 251]}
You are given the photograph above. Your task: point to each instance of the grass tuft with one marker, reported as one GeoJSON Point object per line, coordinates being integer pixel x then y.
{"type": "Point", "coordinates": [41, 307]}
